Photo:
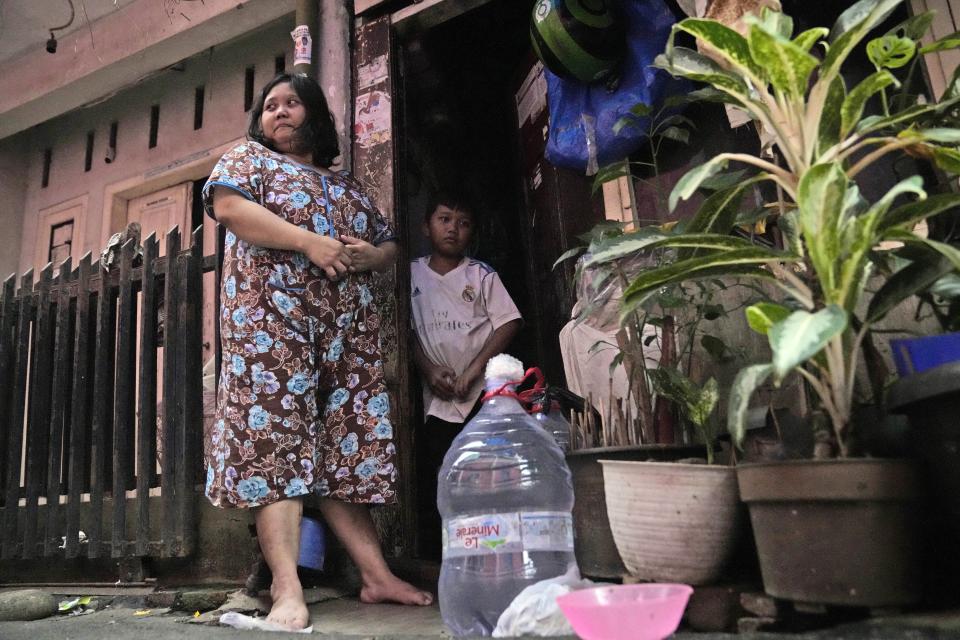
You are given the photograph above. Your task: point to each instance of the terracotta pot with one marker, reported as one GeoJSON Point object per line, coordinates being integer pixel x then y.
{"type": "Point", "coordinates": [596, 552]}
{"type": "Point", "coordinates": [673, 522]}
{"type": "Point", "coordinates": [837, 532]}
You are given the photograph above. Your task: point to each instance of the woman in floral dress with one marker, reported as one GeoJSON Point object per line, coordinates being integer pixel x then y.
{"type": "Point", "coordinates": [302, 406]}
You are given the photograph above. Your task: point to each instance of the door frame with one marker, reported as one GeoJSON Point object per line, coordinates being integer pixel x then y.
{"type": "Point", "coordinates": [118, 194]}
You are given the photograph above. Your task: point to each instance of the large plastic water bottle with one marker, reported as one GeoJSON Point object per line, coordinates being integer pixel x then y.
{"type": "Point", "coordinates": [505, 496]}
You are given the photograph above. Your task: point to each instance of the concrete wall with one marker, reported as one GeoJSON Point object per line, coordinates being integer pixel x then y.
{"type": "Point", "coordinates": [13, 175]}
{"type": "Point", "coordinates": [181, 153]}
{"type": "Point", "coordinates": [117, 50]}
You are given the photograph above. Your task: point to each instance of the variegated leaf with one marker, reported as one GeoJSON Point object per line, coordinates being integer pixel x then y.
{"type": "Point", "coordinates": [907, 282]}
{"type": "Point", "coordinates": [829, 130]}
{"type": "Point", "coordinates": [714, 263]}
{"type": "Point", "coordinates": [852, 107]}
{"type": "Point", "coordinates": [949, 252]}
{"type": "Point", "coordinates": [951, 41]}
{"type": "Point", "coordinates": [729, 44]}
{"type": "Point", "coordinates": [821, 198]}
{"type": "Point", "coordinates": [810, 37]}
{"type": "Point", "coordinates": [909, 214]}
{"type": "Point", "coordinates": [744, 384]}
{"type": "Point", "coordinates": [686, 63]}
{"type": "Point", "coordinates": [802, 335]}
{"type": "Point", "coordinates": [763, 315]}
{"type": "Point", "coordinates": [788, 66]}
{"type": "Point", "coordinates": [691, 181]}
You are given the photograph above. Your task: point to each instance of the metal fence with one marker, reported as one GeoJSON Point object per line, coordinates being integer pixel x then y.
{"type": "Point", "coordinates": [100, 371]}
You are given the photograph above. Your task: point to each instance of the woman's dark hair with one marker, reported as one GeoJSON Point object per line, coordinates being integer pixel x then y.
{"type": "Point", "coordinates": [317, 135]}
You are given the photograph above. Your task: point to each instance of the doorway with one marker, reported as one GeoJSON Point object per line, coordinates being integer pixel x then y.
{"type": "Point", "coordinates": [459, 132]}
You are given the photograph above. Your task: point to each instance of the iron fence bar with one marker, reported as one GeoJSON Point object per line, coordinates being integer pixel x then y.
{"type": "Point", "coordinates": [171, 390]}
{"type": "Point", "coordinates": [79, 407]}
{"type": "Point", "coordinates": [15, 440]}
{"type": "Point", "coordinates": [147, 429]}
{"type": "Point", "coordinates": [62, 350]}
{"type": "Point", "coordinates": [8, 323]}
{"type": "Point", "coordinates": [190, 307]}
{"type": "Point", "coordinates": [38, 410]}
{"type": "Point", "coordinates": [123, 406]}
{"type": "Point", "coordinates": [100, 432]}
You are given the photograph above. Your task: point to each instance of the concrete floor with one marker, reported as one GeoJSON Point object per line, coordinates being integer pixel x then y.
{"type": "Point", "coordinates": [339, 616]}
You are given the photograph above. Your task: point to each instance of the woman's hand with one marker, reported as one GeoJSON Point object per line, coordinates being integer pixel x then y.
{"type": "Point", "coordinates": [367, 257]}
{"type": "Point", "coordinates": [363, 255]}
{"type": "Point", "coordinates": [329, 254]}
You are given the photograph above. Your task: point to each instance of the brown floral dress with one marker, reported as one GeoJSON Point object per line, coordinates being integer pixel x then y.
{"type": "Point", "coordinates": [302, 405]}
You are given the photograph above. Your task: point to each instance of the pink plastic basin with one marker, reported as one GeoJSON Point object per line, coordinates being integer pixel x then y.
{"type": "Point", "coordinates": [626, 612]}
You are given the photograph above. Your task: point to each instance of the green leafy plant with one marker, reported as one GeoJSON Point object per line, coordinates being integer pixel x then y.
{"type": "Point", "coordinates": [682, 311]}
{"type": "Point", "coordinates": [821, 141]}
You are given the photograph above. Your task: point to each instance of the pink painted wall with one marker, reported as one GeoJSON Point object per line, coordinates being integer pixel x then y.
{"type": "Point", "coordinates": [221, 70]}
{"type": "Point", "coordinates": [116, 50]}
{"type": "Point", "coordinates": [13, 178]}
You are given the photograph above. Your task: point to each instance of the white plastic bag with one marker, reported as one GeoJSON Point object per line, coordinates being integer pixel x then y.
{"type": "Point", "coordinates": [535, 611]}
{"type": "Point", "coordinates": [247, 623]}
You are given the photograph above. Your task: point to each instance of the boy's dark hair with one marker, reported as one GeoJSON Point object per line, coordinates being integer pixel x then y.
{"type": "Point", "coordinates": [451, 200]}
{"type": "Point", "coordinates": [317, 135]}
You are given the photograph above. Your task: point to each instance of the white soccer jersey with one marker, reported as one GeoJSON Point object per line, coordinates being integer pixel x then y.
{"type": "Point", "coordinates": [454, 315]}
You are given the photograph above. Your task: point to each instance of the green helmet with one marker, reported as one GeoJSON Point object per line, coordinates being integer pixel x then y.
{"type": "Point", "coordinates": [578, 39]}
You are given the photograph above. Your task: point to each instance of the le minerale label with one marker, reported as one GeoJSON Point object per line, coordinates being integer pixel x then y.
{"type": "Point", "coordinates": [508, 533]}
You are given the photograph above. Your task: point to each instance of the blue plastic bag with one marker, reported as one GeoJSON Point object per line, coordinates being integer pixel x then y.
{"type": "Point", "coordinates": [582, 116]}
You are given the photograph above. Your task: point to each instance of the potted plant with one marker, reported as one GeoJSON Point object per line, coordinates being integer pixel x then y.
{"type": "Point", "coordinates": [668, 520]}
{"type": "Point", "coordinates": [820, 141]}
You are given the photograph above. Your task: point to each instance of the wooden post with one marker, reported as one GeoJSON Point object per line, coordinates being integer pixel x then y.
{"type": "Point", "coordinates": [123, 407]}
{"type": "Point", "coordinates": [38, 421]}
{"type": "Point", "coordinates": [8, 325]}
{"type": "Point", "coordinates": [190, 365]}
{"type": "Point", "coordinates": [59, 434]}
{"type": "Point", "coordinates": [171, 392]}
{"type": "Point", "coordinates": [147, 427]}
{"type": "Point", "coordinates": [79, 407]}
{"type": "Point", "coordinates": [15, 439]}
{"type": "Point", "coordinates": [102, 425]}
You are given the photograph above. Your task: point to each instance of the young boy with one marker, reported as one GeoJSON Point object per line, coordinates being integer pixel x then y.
{"type": "Point", "coordinates": [463, 316]}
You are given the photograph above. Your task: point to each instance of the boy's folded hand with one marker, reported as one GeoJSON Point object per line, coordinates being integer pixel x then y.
{"type": "Point", "coordinates": [442, 381]}
{"type": "Point", "coordinates": [464, 383]}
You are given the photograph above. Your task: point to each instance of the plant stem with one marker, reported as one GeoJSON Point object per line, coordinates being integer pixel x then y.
{"type": "Point", "coordinates": [797, 287]}
{"type": "Point", "coordinates": [825, 398]}
{"type": "Point", "coordinates": [852, 364]}
{"type": "Point", "coordinates": [875, 155]}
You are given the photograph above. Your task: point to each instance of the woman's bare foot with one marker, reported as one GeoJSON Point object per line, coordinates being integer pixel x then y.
{"type": "Point", "coordinates": [393, 589]}
{"type": "Point", "coordinates": [289, 609]}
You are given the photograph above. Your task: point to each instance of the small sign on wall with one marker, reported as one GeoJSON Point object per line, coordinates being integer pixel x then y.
{"type": "Point", "coordinates": [302, 45]}
{"type": "Point", "coordinates": [372, 118]}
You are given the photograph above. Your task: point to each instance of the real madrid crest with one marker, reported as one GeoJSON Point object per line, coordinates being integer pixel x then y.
{"type": "Point", "coordinates": [469, 293]}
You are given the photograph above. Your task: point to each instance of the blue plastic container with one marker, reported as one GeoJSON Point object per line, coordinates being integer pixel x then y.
{"type": "Point", "coordinates": [914, 355]}
{"type": "Point", "coordinates": [313, 544]}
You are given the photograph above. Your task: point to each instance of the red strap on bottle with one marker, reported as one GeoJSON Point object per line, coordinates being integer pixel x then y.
{"type": "Point", "coordinates": [523, 397]}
